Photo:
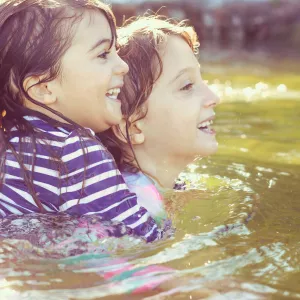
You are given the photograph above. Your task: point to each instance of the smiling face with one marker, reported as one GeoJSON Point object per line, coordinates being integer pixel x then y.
{"type": "Point", "coordinates": [92, 75]}
{"type": "Point", "coordinates": [179, 107]}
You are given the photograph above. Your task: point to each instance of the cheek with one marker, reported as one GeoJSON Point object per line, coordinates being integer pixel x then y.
{"type": "Point", "coordinates": [155, 124]}
{"type": "Point", "coordinates": [101, 81]}
{"type": "Point", "coordinates": [74, 82]}
{"type": "Point", "coordinates": [167, 128]}
{"type": "Point", "coordinates": [183, 116]}
{"type": "Point", "coordinates": [87, 86]}
{"type": "Point", "coordinates": [159, 115]}
{"type": "Point", "coordinates": [172, 117]}
{"type": "Point", "coordinates": [86, 75]}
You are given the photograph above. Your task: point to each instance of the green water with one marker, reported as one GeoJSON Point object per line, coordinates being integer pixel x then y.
{"type": "Point", "coordinates": [253, 182]}
{"type": "Point", "coordinates": [257, 167]}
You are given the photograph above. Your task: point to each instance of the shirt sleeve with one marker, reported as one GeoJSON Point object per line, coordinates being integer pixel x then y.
{"type": "Point", "coordinates": [92, 184]}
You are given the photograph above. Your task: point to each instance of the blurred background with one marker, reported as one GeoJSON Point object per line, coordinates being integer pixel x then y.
{"type": "Point", "coordinates": [250, 25]}
{"type": "Point", "coordinates": [250, 57]}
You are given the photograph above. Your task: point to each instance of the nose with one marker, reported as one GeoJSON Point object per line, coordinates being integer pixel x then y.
{"type": "Point", "coordinates": [121, 66]}
{"type": "Point", "coordinates": [211, 99]}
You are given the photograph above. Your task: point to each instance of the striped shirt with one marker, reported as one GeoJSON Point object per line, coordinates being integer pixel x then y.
{"type": "Point", "coordinates": [58, 182]}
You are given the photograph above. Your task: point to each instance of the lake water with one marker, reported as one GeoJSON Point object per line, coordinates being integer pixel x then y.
{"type": "Point", "coordinates": [238, 226]}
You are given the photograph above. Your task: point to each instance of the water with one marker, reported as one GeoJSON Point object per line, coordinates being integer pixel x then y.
{"type": "Point", "coordinates": [251, 185]}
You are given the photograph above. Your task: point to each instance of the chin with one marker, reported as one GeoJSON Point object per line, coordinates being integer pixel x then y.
{"type": "Point", "coordinates": [106, 124]}
{"type": "Point", "coordinates": [113, 113]}
{"type": "Point", "coordinates": [207, 151]}
{"type": "Point", "coordinates": [116, 120]}
{"type": "Point", "coordinates": [113, 117]}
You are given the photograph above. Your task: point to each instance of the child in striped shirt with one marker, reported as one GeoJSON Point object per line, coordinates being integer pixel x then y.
{"type": "Point", "coordinates": [60, 76]}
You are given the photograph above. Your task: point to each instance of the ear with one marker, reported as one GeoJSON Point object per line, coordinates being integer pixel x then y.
{"type": "Point", "coordinates": [135, 131]}
{"type": "Point", "coordinates": [39, 91]}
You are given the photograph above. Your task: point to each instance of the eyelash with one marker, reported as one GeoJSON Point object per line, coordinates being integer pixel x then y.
{"type": "Point", "coordinates": [187, 87]}
{"type": "Point", "coordinates": [104, 55]}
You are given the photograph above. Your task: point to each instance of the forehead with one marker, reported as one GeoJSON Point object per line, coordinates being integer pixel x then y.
{"type": "Point", "coordinates": [93, 25]}
{"type": "Point", "coordinates": [177, 55]}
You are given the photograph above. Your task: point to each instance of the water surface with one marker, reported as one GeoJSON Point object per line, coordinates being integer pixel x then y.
{"type": "Point", "coordinates": [237, 226]}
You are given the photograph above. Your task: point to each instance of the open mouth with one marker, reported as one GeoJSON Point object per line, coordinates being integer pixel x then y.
{"type": "Point", "coordinates": [206, 127]}
{"type": "Point", "coordinates": [113, 93]}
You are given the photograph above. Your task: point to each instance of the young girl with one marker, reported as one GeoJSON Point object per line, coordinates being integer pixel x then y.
{"type": "Point", "coordinates": [60, 80]}
{"type": "Point", "coordinates": [167, 108]}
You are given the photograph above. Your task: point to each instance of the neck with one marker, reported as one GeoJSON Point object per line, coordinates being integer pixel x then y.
{"type": "Point", "coordinates": [164, 170]}
{"type": "Point", "coordinates": [44, 111]}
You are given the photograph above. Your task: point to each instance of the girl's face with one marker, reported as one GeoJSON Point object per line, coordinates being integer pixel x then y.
{"type": "Point", "coordinates": [179, 106]}
{"type": "Point", "coordinates": [92, 75]}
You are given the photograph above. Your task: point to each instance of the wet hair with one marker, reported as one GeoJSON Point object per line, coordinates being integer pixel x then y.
{"type": "Point", "coordinates": [34, 35]}
{"type": "Point", "coordinates": [141, 40]}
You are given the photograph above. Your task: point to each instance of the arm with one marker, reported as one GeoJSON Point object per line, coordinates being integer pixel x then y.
{"type": "Point", "coordinates": [92, 184]}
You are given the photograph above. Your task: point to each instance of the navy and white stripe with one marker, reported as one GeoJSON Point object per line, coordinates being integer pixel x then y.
{"type": "Point", "coordinates": [61, 165]}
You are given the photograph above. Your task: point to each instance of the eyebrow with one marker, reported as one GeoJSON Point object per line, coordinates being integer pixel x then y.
{"type": "Point", "coordinates": [99, 43]}
{"type": "Point", "coordinates": [181, 72]}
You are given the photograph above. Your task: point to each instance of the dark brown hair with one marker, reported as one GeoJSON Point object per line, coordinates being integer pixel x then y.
{"type": "Point", "coordinates": [140, 40]}
{"type": "Point", "coordinates": [34, 35]}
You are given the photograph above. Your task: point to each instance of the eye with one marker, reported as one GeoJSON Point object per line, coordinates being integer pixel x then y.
{"type": "Point", "coordinates": [187, 87]}
{"type": "Point", "coordinates": [104, 55]}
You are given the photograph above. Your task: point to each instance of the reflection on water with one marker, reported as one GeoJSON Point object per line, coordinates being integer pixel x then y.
{"type": "Point", "coordinates": [237, 224]}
